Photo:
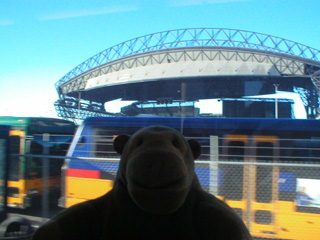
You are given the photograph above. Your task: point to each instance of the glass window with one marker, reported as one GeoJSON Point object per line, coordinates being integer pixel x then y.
{"type": "Point", "coordinates": [14, 164]}
{"type": "Point", "coordinates": [264, 173]}
{"type": "Point", "coordinates": [3, 163]}
{"type": "Point", "coordinates": [233, 174]}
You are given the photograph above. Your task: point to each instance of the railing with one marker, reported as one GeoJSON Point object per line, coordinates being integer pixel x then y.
{"type": "Point", "coordinates": [228, 189]}
{"type": "Point", "coordinates": [265, 184]}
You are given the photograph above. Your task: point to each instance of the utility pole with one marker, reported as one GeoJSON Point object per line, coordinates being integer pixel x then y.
{"type": "Point", "coordinates": [79, 105]}
{"type": "Point", "coordinates": [276, 101]}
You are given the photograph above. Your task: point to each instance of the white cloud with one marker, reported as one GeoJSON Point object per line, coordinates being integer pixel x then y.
{"type": "Point", "coordinates": [180, 3]}
{"type": "Point", "coordinates": [28, 107]}
{"type": "Point", "coordinates": [224, 1]}
{"type": "Point", "coordinates": [88, 12]}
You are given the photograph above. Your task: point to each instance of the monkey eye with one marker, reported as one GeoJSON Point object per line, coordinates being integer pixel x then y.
{"type": "Point", "coordinates": [176, 143]}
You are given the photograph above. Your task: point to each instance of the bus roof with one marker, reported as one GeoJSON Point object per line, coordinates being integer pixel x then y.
{"type": "Point", "coordinates": [209, 123]}
{"type": "Point", "coordinates": [15, 121]}
{"type": "Point", "coordinates": [39, 124]}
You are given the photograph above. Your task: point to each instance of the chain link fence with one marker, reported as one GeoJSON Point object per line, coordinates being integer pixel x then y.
{"type": "Point", "coordinates": [34, 182]}
{"type": "Point", "coordinates": [273, 184]}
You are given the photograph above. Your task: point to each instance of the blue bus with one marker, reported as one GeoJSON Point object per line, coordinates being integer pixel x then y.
{"type": "Point", "coordinates": [260, 167]}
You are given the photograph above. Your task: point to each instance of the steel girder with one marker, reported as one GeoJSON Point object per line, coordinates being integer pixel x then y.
{"type": "Point", "coordinates": [196, 44]}
{"type": "Point", "coordinates": [315, 77]}
{"type": "Point", "coordinates": [80, 109]}
{"type": "Point", "coordinates": [195, 38]}
{"type": "Point", "coordinates": [76, 114]}
{"type": "Point", "coordinates": [284, 64]}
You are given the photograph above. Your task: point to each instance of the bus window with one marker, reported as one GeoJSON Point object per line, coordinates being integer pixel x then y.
{"type": "Point", "coordinates": [264, 153]}
{"type": "Point", "coordinates": [233, 174]}
{"type": "Point", "coordinates": [3, 162]}
{"type": "Point", "coordinates": [34, 165]}
{"type": "Point", "coordinates": [306, 150]}
{"type": "Point", "coordinates": [36, 148]}
{"type": "Point", "coordinates": [14, 165]}
{"type": "Point", "coordinates": [102, 143]}
{"type": "Point", "coordinates": [4, 131]}
{"type": "Point", "coordinates": [57, 146]}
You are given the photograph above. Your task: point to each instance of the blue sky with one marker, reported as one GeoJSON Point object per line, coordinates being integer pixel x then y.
{"type": "Point", "coordinates": [41, 40]}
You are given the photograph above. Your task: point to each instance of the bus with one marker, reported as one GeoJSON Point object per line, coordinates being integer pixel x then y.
{"type": "Point", "coordinates": [4, 134]}
{"type": "Point", "coordinates": [11, 227]}
{"type": "Point", "coordinates": [35, 136]}
{"type": "Point", "coordinates": [263, 168]}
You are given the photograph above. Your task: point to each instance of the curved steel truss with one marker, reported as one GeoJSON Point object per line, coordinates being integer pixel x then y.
{"type": "Point", "coordinates": [288, 58]}
{"type": "Point", "coordinates": [315, 77]}
{"type": "Point", "coordinates": [194, 37]}
{"type": "Point", "coordinates": [282, 63]}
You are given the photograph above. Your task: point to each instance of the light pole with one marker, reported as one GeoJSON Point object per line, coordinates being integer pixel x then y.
{"type": "Point", "coordinates": [276, 101]}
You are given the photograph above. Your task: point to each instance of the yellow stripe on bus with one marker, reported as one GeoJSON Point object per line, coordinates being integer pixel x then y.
{"type": "Point", "coordinates": [86, 188]}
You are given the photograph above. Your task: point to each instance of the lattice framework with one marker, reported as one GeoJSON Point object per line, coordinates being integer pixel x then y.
{"type": "Point", "coordinates": [194, 37]}
{"type": "Point", "coordinates": [192, 44]}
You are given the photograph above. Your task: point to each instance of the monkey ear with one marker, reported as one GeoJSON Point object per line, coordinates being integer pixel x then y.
{"type": "Point", "coordinates": [195, 148]}
{"type": "Point", "coordinates": [119, 143]}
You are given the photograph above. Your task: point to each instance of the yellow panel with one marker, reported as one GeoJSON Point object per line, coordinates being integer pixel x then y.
{"type": "Point", "coordinates": [240, 138]}
{"type": "Point", "coordinates": [299, 226]}
{"type": "Point", "coordinates": [85, 188]}
{"type": "Point", "coordinates": [72, 201]}
{"type": "Point", "coordinates": [237, 204]}
{"type": "Point", "coordinates": [262, 206]}
{"type": "Point", "coordinates": [262, 230]}
{"type": "Point", "coordinates": [18, 184]}
{"type": "Point", "coordinates": [14, 201]}
{"type": "Point", "coordinates": [18, 198]}
{"type": "Point", "coordinates": [270, 139]}
{"type": "Point", "coordinates": [290, 224]}
{"type": "Point", "coordinates": [16, 132]}
{"type": "Point", "coordinates": [220, 197]}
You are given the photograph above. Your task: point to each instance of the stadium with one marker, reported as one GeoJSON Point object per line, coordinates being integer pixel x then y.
{"type": "Point", "coordinates": [168, 73]}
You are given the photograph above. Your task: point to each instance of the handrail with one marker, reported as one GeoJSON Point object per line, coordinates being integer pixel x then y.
{"type": "Point", "coordinates": [196, 161]}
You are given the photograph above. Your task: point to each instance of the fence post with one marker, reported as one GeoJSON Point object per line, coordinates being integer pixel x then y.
{"type": "Point", "coordinates": [250, 189]}
{"type": "Point", "coordinates": [214, 158]}
{"type": "Point", "coordinates": [251, 157]}
{"type": "Point", "coordinates": [45, 176]}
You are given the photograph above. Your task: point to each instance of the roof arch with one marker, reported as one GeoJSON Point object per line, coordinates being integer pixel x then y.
{"type": "Point", "coordinates": [206, 54]}
{"type": "Point", "coordinates": [194, 38]}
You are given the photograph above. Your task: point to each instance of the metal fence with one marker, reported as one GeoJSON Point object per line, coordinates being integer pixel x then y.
{"type": "Point", "coordinates": [275, 187]}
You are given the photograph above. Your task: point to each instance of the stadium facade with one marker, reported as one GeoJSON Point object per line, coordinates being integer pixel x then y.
{"type": "Point", "coordinates": [167, 73]}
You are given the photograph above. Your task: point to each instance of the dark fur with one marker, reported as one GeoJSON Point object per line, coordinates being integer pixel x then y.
{"type": "Point", "coordinates": [156, 195]}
